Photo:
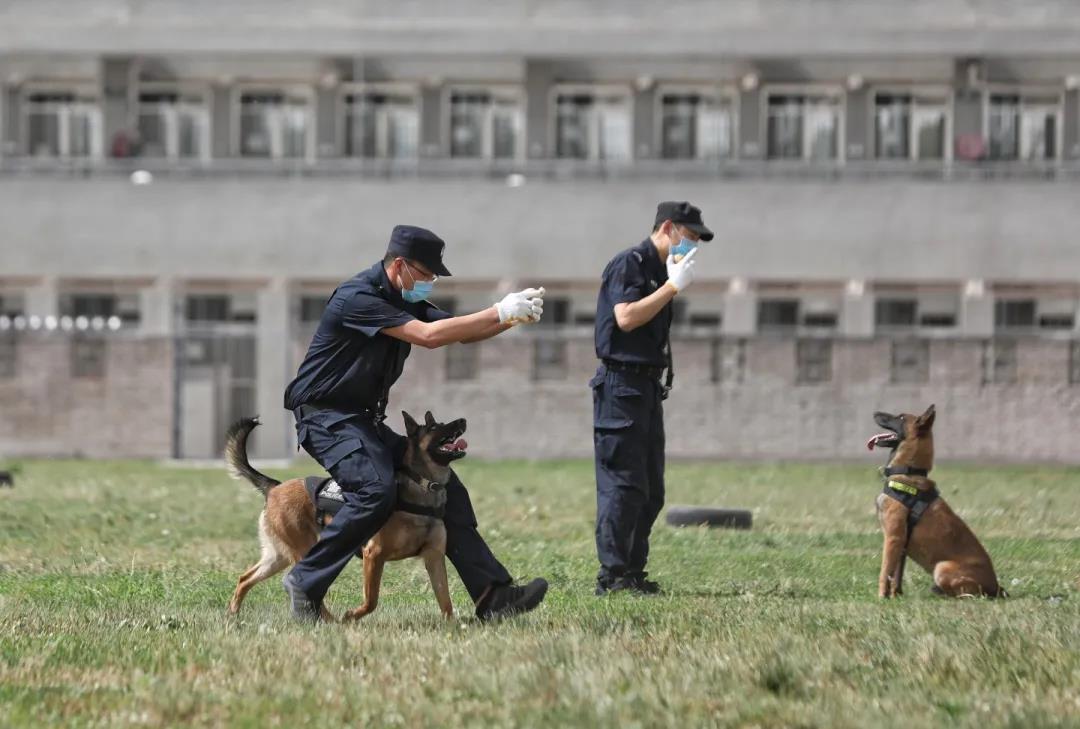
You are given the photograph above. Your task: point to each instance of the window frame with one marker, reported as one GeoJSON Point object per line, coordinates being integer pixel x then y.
{"type": "Point", "coordinates": [914, 90]}
{"type": "Point", "coordinates": [393, 87]}
{"type": "Point", "coordinates": [286, 89]}
{"type": "Point", "coordinates": [723, 91]}
{"type": "Point", "coordinates": [206, 115]}
{"type": "Point", "coordinates": [1022, 90]}
{"type": "Point", "coordinates": [85, 95]}
{"type": "Point", "coordinates": [446, 121]}
{"type": "Point", "coordinates": [835, 91]}
{"type": "Point", "coordinates": [594, 89]}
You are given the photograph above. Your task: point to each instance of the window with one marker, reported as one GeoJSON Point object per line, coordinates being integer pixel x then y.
{"type": "Point", "coordinates": [1014, 314]}
{"type": "Point", "coordinates": [776, 314]}
{"type": "Point", "coordinates": [999, 361]}
{"type": "Point", "coordinates": [274, 125]}
{"type": "Point", "coordinates": [728, 360]}
{"type": "Point", "coordinates": [101, 306]}
{"type": "Point", "coordinates": [895, 312]}
{"type": "Point", "coordinates": [11, 305]}
{"type": "Point", "coordinates": [549, 358]}
{"type": "Point", "coordinates": [909, 126]}
{"type": "Point", "coordinates": [910, 363]}
{"type": "Point", "coordinates": [382, 124]}
{"type": "Point", "coordinates": [592, 125]}
{"type": "Point", "coordinates": [88, 357]}
{"type": "Point", "coordinates": [312, 308]}
{"type": "Point", "coordinates": [813, 361]}
{"type": "Point", "coordinates": [820, 319]}
{"type": "Point", "coordinates": [462, 362]}
{"type": "Point", "coordinates": [1074, 362]}
{"type": "Point", "coordinates": [1056, 321]}
{"type": "Point", "coordinates": [1023, 127]}
{"type": "Point", "coordinates": [695, 125]}
{"type": "Point", "coordinates": [62, 124]}
{"type": "Point", "coordinates": [211, 308]}
{"type": "Point", "coordinates": [556, 311]}
{"type": "Point", "coordinates": [803, 127]}
{"type": "Point", "coordinates": [9, 355]}
{"type": "Point", "coordinates": [705, 320]}
{"type": "Point", "coordinates": [485, 124]}
{"type": "Point", "coordinates": [173, 126]}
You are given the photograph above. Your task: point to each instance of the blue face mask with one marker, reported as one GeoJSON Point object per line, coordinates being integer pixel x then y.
{"type": "Point", "coordinates": [420, 290]}
{"type": "Point", "coordinates": [685, 246]}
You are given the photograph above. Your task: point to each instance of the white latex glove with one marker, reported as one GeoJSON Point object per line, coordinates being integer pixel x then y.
{"type": "Point", "coordinates": [521, 306]}
{"type": "Point", "coordinates": [680, 274]}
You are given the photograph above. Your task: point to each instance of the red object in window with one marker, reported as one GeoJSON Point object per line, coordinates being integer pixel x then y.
{"type": "Point", "coordinates": [970, 146]}
{"type": "Point", "coordinates": [121, 145]}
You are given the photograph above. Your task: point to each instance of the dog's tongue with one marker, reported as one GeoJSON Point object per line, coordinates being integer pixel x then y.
{"type": "Point", "coordinates": [459, 445]}
{"type": "Point", "coordinates": [876, 439]}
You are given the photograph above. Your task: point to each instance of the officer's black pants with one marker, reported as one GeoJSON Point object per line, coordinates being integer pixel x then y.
{"type": "Point", "coordinates": [361, 457]}
{"type": "Point", "coordinates": [628, 437]}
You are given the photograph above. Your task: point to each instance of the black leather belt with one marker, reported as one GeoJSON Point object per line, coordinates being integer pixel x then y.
{"type": "Point", "coordinates": [637, 369]}
{"type": "Point", "coordinates": [313, 407]}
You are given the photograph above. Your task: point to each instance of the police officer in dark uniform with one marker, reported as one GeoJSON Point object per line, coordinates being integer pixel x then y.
{"type": "Point", "coordinates": [339, 399]}
{"type": "Point", "coordinates": [633, 323]}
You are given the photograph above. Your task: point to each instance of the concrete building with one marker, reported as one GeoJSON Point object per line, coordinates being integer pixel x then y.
{"type": "Point", "coordinates": [892, 185]}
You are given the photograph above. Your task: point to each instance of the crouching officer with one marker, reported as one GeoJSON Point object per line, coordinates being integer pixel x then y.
{"type": "Point", "coordinates": [339, 399]}
{"type": "Point", "coordinates": [633, 323]}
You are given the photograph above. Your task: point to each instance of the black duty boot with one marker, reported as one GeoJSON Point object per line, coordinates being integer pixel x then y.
{"type": "Point", "coordinates": [303, 607]}
{"type": "Point", "coordinates": [506, 600]}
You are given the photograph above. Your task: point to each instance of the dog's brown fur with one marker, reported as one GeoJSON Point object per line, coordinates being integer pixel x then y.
{"type": "Point", "coordinates": [288, 527]}
{"type": "Point", "coordinates": [941, 543]}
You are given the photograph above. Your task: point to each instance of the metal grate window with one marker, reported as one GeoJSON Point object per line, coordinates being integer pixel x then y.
{"type": "Point", "coordinates": [88, 357]}
{"type": "Point", "coordinates": [910, 364]}
{"type": "Point", "coordinates": [779, 314]}
{"type": "Point", "coordinates": [1074, 362]}
{"type": "Point", "coordinates": [462, 362]}
{"type": "Point", "coordinates": [999, 362]}
{"type": "Point", "coordinates": [9, 356]}
{"type": "Point", "coordinates": [549, 359]}
{"type": "Point", "coordinates": [728, 360]}
{"type": "Point", "coordinates": [813, 361]}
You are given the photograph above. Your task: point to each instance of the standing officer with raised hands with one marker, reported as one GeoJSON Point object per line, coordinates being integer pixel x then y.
{"type": "Point", "coordinates": [633, 325]}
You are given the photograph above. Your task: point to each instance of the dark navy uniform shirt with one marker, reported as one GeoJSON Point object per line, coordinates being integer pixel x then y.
{"type": "Point", "coordinates": [351, 364]}
{"type": "Point", "coordinates": [631, 276]}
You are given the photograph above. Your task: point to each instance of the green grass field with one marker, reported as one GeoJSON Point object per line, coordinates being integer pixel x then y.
{"type": "Point", "coordinates": [114, 579]}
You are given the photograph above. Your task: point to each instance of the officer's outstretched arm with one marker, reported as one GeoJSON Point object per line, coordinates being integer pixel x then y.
{"type": "Point", "coordinates": [435, 334]}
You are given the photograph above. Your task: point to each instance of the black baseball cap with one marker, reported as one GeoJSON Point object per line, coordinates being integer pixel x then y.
{"type": "Point", "coordinates": [684, 214]}
{"type": "Point", "coordinates": [420, 245]}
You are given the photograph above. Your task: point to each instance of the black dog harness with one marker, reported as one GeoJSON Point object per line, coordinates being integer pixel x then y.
{"type": "Point", "coordinates": [916, 500]}
{"type": "Point", "coordinates": [326, 494]}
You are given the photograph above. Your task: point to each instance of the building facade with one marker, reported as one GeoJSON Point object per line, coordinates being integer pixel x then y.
{"type": "Point", "coordinates": [183, 184]}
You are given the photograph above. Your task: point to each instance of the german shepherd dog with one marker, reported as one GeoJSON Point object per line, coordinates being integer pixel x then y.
{"type": "Point", "coordinates": [290, 522]}
{"type": "Point", "coordinates": [917, 521]}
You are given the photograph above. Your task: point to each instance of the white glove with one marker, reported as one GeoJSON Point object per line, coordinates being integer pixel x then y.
{"type": "Point", "coordinates": [680, 274]}
{"type": "Point", "coordinates": [521, 306]}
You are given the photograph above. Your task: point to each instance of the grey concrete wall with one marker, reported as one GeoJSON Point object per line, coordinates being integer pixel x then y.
{"type": "Point", "coordinates": [605, 27]}
{"type": "Point", "coordinates": [126, 413]}
{"type": "Point", "coordinates": [758, 411]}
{"type": "Point", "coordinates": [328, 228]}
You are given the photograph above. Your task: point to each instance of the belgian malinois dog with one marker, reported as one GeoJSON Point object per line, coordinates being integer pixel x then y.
{"type": "Point", "coordinates": [290, 522]}
{"type": "Point", "coordinates": [916, 520]}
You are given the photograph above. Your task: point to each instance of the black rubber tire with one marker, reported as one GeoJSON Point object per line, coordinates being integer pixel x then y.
{"type": "Point", "coordinates": [709, 516]}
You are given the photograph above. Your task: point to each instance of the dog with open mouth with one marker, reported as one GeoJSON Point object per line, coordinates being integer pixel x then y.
{"type": "Point", "coordinates": [297, 509]}
{"type": "Point", "coordinates": [916, 520]}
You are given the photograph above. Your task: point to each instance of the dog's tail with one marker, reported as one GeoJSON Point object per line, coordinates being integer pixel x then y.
{"type": "Point", "coordinates": [236, 459]}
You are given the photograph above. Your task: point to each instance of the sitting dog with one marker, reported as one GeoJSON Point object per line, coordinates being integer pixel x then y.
{"type": "Point", "coordinates": [918, 522]}
{"type": "Point", "coordinates": [7, 478]}
{"type": "Point", "coordinates": [296, 510]}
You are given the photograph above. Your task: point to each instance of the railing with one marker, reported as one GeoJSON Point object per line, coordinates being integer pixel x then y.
{"type": "Point", "coordinates": [519, 172]}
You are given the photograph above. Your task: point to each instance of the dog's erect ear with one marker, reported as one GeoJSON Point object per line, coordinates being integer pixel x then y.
{"type": "Point", "coordinates": [926, 421]}
{"type": "Point", "coordinates": [411, 426]}
{"type": "Point", "coordinates": [884, 419]}
{"type": "Point", "coordinates": [429, 419]}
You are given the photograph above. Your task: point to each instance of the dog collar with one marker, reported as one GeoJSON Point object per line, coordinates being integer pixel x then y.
{"type": "Point", "coordinates": [421, 481]}
{"type": "Point", "coordinates": [904, 471]}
